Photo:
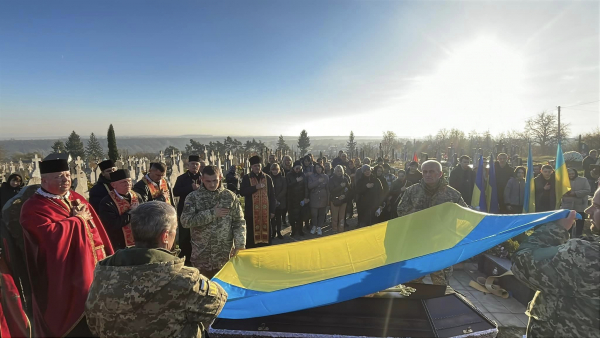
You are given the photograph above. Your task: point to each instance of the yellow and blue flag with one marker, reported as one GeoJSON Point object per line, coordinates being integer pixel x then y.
{"type": "Point", "coordinates": [296, 276]}
{"type": "Point", "coordinates": [529, 199]}
{"type": "Point", "coordinates": [478, 201]}
{"type": "Point", "coordinates": [563, 185]}
{"type": "Point", "coordinates": [491, 190]}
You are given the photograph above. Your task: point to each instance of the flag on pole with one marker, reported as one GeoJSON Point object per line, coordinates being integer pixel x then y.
{"type": "Point", "coordinates": [563, 185]}
{"type": "Point", "coordinates": [478, 201]}
{"type": "Point", "coordinates": [415, 158]}
{"type": "Point", "coordinates": [491, 189]}
{"type": "Point", "coordinates": [529, 199]}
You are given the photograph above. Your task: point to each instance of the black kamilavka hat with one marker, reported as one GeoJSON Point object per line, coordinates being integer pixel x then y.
{"type": "Point", "coordinates": [106, 164]}
{"type": "Point", "coordinates": [255, 160]}
{"type": "Point", "coordinates": [54, 166]}
{"type": "Point", "coordinates": [194, 158]}
{"type": "Point", "coordinates": [120, 174]}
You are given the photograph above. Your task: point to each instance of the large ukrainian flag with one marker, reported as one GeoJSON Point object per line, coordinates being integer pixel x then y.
{"type": "Point", "coordinates": [563, 185]}
{"type": "Point", "coordinates": [295, 276]}
{"type": "Point", "coordinates": [479, 199]}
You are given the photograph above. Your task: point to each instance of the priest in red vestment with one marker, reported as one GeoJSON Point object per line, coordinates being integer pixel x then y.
{"type": "Point", "coordinates": [64, 240]}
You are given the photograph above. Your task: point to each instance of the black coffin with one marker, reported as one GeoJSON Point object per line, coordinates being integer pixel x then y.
{"type": "Point", "coordinates": [426, 313]}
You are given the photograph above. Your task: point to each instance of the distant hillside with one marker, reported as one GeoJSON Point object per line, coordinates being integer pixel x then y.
{"type": "Point", "coordinates": [155, 144]}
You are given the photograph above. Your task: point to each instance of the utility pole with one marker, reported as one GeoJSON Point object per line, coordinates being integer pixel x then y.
{"type": "Point", "coordinates": [558, 124]}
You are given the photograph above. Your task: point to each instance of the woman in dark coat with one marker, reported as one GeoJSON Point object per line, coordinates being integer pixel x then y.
{"type": "Point", "coordinates": [384, 214]}
{"type": "Point", "coordinates": [233, 180]}
{"type": "Point", "coordinates": [369, 192]}
{"type": "Point", "coordinates": [296, 197]}
{"type": "Point", "coordinates": [339, 194]}
{"type": "Point", "coordinates": [10, 188]}
{"type": "Point", "coordinates": [280, 185]}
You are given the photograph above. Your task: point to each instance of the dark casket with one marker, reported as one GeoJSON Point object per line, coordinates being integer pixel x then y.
{"type": "Point", "coordinates": [428, 312]}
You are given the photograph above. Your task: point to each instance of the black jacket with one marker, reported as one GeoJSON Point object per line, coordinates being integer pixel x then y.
{"type": "Point", "coordinates": [7, 191]}
{"type": "Point", "coordinates": [113, 222]}
{"type": "Point", "coordinates": [336, 189]}
{"type": "Point", "coordinates": [502, 177]}
{"type": "Point", "coordinates": [545, 200]}
{"type": "Point", "coordinates": [233, 182]}
{"type": "Point", "coordinates": [296, 191]}
{"type": "Point", "coordinates": [183, 187]}
{"type": "Point", "coordinates": [98, 192]}
{"type": "Point", "coordinates": [462, 180]}
{"type": "Point", "coordinates": [370, 198]}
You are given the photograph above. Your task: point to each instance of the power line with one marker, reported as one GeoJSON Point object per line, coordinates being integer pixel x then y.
{"type": "Point", "coordinates": [591, 111]}
{"type": "Point", "coordinates": [580, 104]}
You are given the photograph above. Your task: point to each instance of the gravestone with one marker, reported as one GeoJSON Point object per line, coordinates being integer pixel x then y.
{"type": "Point", "coordinates": [82, 182]}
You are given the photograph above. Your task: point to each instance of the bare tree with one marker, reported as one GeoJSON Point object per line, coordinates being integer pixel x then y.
{"type": "Point", "coordinates": [592, 139]}
{"type": "Point", "coordinates": [542, 129]}
{"type": "Point", "coordinates": [389, 142]}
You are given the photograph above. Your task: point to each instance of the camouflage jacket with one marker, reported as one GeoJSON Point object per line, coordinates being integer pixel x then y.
{"type": "Point", "coordinates": [566, 275]}
{"type": "Point", "coordinates": [213, 237]}
{"type": "Point", "coordinates": [139, 292]}
{"type": "Point", "coordinates": [415, 199]}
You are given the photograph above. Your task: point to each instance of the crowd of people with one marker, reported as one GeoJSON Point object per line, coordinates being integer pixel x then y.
{"type": "Point", "coordinates": [137, 264]}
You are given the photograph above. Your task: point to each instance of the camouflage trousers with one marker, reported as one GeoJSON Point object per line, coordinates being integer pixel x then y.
{"type": "Point", "coordinates": [438, 278]}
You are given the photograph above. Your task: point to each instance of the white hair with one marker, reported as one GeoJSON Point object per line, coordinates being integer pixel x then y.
{"type": "Point", "coordinates": [438, 164]}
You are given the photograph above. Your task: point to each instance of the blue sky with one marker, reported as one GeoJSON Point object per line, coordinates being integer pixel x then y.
{"type": "Point", "coordinates": [277, 67]}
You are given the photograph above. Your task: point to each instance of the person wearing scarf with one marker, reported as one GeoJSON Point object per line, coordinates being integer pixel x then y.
{"type": "Point", "coordinates": [115, 209]}
{"type": "Point", "coordinates": [545, 196]}
{"type": "Point", "coordinates": [259, 192]}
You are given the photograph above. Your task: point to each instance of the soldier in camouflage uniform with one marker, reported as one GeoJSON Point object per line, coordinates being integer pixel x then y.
{"type": "Point", "coordinates": [566, 274]}
{"type": "Point", "coordinates": [146, 291]}
{"type": "Point", "coordinates": [218, 229]}
{"type": "Point", "coordinates": [431, 191]}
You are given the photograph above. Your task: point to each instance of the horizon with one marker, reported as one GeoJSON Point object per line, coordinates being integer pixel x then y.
{"type": "Point", "coordinates": [265, 68]}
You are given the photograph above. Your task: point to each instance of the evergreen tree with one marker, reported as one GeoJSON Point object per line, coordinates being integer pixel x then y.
{"type": "Point", "coordinates": [303, 142]}
{"type": "Point", "coordinates": [94, 150]}
{"type": "Point", "coordinates": [281, 145]}
{"type": "Point", "coordinates": [351, 145]}
{"type": "Point", "coordinates": [113, 152]}
{"type": "Point", "coordinates": [74, 146]}
{"type": "Point", "coordinates": [59, 147]}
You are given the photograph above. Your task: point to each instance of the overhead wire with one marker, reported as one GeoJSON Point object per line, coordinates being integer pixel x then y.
{"type": "Point", "coordinates": [580, 104]}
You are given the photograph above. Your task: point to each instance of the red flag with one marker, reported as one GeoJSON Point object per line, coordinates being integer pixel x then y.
{"type": "Point", "coordinates": [415, 158]}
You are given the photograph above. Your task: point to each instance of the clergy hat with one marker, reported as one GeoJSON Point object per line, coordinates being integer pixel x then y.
{"type": "Point", "coordinates": [106, 164]}
{"type": "Point", "coordinates": [54, 166]}
{"type": "Point", "coordinates": [255, 160]}
{"type": "Point", "coordinates": [120, 174]}
{"type": "Point", "coordinates": [194, 158]}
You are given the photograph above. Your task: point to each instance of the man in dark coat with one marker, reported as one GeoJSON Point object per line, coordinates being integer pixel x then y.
{"type": "Point", "coordinates": [267, 168]}
{"type": "Point", "coordinates": [154, 186]}
{"type": "Point", "coordinates": [116, 207]}
{"type": "Point", "coordinates": [185, 184]}
{"type": "Point", "coordinates": [587, 163]}
{"type": "Point", "coordinates": [370, 193]}
{"type": "Point", "coordinates": [503, 173]}
{"type": "Point", "coordinates": [259, 193]}
{"type": "Point", "coordinates": [102, 187]}
{"type": "Point", "coordinates": [413, 176]}
{"type": "Point", "coordinates": [461, 178]}
{"type": "Point", "coordinates": [545, 185]}
{"type": "Point", "coordinates": [296, 197]}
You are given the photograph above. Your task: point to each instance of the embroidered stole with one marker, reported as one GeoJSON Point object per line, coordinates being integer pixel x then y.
{"type": "Point", "coordinates": [156, 191]}
{"type": "Point", "coordinates": [260, 212]}
{"type": "Point", "coordinates": [97, 251]}
{"type": "Point", "coordinates": [123, 206]}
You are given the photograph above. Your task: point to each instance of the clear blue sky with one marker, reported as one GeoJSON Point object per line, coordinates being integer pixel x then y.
{"type": "Point", "coordinates": [276, 67]}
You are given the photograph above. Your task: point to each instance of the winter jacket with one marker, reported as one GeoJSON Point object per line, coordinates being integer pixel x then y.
{"type": "Point", "coordinates": [233, 182]}
{"type": "Point", "coordinates": [545, 200]}
{"type": "Point", "coordinates": [462, 180]}
{"type": "Point", "coordinates": [318, 192]}
{"type": "Point", "coordinates": [514, 192]}
{"type": "Point", "coordinates": [280, 184]}
{"type": "Point", "coordinates": [296, 191]}
{"type": "Point", "coordinates": [140, 292]}
{"type": "Point", "coordinates": [369, 198]}
{"type": "Point", "coordinates": [581, 187]}
{"type": "Point", "coordinates": [7, 191]}
{"type": "Point", "coordinates": [98, 192]}
{"type": "Point", "coordinates": [503, 175]}
{"type": "Point", "coordinates": [336, 189]}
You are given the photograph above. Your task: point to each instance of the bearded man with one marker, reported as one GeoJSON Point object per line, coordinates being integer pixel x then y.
{"type": "Point", "coordinates": [259, 192]}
